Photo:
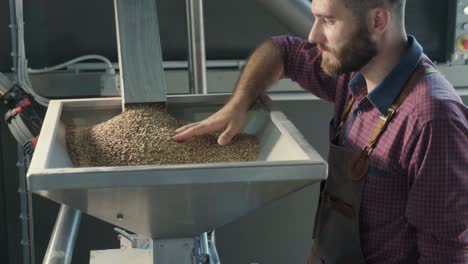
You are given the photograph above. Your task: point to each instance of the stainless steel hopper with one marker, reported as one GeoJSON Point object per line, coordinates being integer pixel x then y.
{"type": "Point", "coordinates": [174, 200]}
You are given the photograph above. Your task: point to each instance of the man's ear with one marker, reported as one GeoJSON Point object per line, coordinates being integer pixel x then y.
{"type": "Point", "coordinates": [378, 20]}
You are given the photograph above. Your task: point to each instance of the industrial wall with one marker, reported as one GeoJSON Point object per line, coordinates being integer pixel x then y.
{"type": "Point", "coordinates": [57, 30]}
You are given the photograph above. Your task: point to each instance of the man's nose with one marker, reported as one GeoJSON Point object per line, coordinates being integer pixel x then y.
{"type": "Point", "coordinates": [315, 35]}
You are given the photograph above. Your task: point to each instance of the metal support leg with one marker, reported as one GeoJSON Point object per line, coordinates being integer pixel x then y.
{"type": "Point", "coordinates": [201, 251]}
{"type": "Point", "coordinates": [62, 241]}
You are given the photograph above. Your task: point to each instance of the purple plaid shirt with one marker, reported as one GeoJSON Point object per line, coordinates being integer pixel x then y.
{"type": "Point", "coordinates": [415, 199]}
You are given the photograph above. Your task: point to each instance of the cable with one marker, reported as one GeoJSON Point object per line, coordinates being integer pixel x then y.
{"type": "Point", "coordinates": [21, 70]}
{"type": "Point", "coordinates": [22, 63]}
{"type": "Point", "coordinates": [110, 67]}
{"type": "Point", "coordinates": [26, 83]}
{"type": "Point", "coordinates": [19, 133]}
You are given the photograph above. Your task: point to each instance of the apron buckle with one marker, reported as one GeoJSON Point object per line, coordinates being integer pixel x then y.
{"type": "Point", "coordinates": [390, 113]}
{"type": "Point", "coordinates": [368, 150]}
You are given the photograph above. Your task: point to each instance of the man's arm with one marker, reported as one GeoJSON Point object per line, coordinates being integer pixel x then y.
{"type": "Point", "coordinates": [264, 67]}
{"type": "Point", "coordinates": [438, 198]}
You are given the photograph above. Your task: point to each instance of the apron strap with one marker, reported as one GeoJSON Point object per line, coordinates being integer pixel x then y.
{"type": "Point", "coordinates": [344, 115]}
{"type": "Point", "coordinates": [359, 166]}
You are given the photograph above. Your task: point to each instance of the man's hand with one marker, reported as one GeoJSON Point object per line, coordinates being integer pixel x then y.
{"type": "Point", "coordinates": [227, 119]}
{"type": "Point", "coordinates": [265, 66]}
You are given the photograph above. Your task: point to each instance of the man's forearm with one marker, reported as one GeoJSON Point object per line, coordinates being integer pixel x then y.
{"type": "Point", "coordinates": [264, 67]}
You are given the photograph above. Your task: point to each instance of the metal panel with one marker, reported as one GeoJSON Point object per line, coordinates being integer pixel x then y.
{"type": "Point", "coordinates": [177, 200]}
{"type": "Point", "coordinates": [428, 23]}
{"type": "Point", "coordinates": [139, 49]}
{"type": "Point", "coordinates": [279, 233]}
{"type": "Point", "coordinates": [458, 31]}
{"type": "Point", "coordinates": [121, 256]}
{"type": "Point", "coordinates": [295, 14]}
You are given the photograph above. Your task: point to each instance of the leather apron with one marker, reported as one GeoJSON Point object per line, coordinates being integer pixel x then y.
{"type": "Point", "coordinates": [336, 232]}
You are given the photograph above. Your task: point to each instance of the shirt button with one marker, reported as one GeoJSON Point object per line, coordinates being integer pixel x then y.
{"type": "Point", "coordinates": [359, 112]}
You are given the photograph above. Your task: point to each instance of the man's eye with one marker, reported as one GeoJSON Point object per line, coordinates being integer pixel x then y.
{"type": "Point", "coordinates": [330, 21]}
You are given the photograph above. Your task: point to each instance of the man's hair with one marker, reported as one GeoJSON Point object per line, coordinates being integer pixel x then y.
{"type": "Point", "coordinates": [360, 7]}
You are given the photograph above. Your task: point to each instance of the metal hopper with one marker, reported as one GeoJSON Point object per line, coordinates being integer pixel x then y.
{"type": "Point", "coordinates": [174, 200]}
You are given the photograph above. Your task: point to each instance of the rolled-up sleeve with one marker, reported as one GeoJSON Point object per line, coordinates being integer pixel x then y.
{"type": "Point", "coordinates": [438, 197]}
{"type": "Point", "coordinates": [301, 61]}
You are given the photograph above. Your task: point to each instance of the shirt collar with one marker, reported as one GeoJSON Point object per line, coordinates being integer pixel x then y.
{"type": "Point", "coordinates": [388, 90]}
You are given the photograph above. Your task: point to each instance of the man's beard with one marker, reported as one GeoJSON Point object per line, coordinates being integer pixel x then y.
{"type": "Point", "coordinates": [354, 55]}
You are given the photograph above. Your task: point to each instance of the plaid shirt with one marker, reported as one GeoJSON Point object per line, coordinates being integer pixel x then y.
{"type": "Point", "coordinates": [414, 205]}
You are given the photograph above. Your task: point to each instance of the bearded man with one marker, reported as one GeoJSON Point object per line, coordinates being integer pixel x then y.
{"type": "Point", "coordinates": [397, 189]}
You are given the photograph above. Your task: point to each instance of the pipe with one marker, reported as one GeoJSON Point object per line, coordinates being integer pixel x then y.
{"type": "Point", "coordinates": [21, 65]}
{"type": "Point", "coordinates": [167, 65]}
{"type": "Point", "coordinates": [62, 241]}
{"type": "Point", "coordinates": [26, 217]}
{"type": "Point", "coordinates": [109, 65]}
{"type": "Point", "coordinates": [294, 14]}
{"type": "Point", "coordinates": [15, 41]}
{"type": "Point", "coordinates": [196, 42]}
{"type": "Point", "coordinates": [13, 28]}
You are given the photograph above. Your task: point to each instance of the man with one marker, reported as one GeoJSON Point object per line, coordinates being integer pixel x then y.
{"type": "Point", "coordinates": [397, 190]}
